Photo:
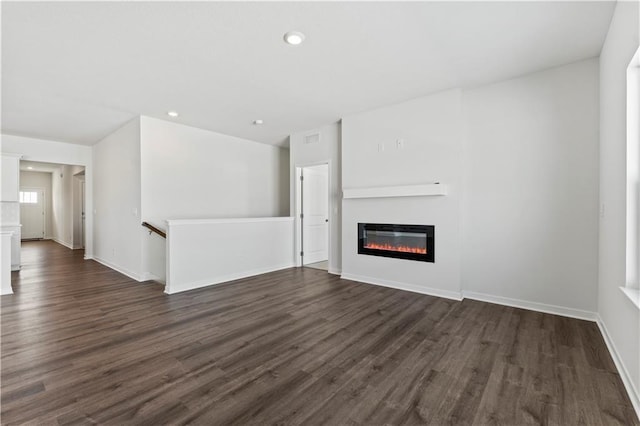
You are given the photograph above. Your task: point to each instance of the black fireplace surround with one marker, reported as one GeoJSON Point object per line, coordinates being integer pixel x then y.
{"type": "Point", "coordinates": [412, 242]}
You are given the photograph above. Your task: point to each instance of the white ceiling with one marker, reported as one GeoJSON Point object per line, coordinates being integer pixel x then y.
{"type": "Point", "coordinates": [75, 72]}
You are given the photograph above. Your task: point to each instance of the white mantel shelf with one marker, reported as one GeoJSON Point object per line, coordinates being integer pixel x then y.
{"type": "Point", "coordinates": [431, 189]}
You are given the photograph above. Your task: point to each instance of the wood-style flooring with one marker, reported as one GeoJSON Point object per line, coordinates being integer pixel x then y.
{"type": "Point", "coordinates": [83, 344]}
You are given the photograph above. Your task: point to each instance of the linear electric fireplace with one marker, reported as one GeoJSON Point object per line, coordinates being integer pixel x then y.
{"type": "Point", "coordinates": [413, 242]}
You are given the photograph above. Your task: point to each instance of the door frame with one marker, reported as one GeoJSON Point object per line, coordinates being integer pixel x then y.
{"type": "Point", "coordinates": [78, 206]}
{"type": "Point", "coordinates": [83, 211]}
{"type": "Point", "coordinates": [298, 210]}
{"type": "Point", "coordinates": [43, 192]}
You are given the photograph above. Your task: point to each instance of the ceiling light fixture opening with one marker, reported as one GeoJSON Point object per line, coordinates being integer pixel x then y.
{"type": "Point", "coordinates": [173, 114]}
{"type": "Point", "coordinates": [294, 37]}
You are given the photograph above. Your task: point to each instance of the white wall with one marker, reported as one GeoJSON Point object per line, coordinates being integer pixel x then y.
{"type": "Point", "coordinates": [530, 214]}
{"type": "Point", "coordinates": [620, 318]}
{"type": "Point", "coordinates": [211, 251]}
{"type": "Point", "coordinates": [5, 262]}
{"type": "Point", "coordinates": [10, 207]}
{"type": "Point", "coordinates": [193, 173]}
{"type": "Point", "coordinates": [188, 173]}
{"type": "Point", "coordinates": [522, 179]}
{"type": "Point", "coordinates": [327, 150]}
{"type": "Point", "coordinates": [118, 234]}
{"type": "Point", "coordinates": [10, 178]}
{"type": "Point", "coordinates": [63, 205]}
{"type": "Point", "coordinates": [61, 153]}
{"type": "Point", "coordinates": [41, 180]}
{"type": "Point", "coordinates": [431, 132]}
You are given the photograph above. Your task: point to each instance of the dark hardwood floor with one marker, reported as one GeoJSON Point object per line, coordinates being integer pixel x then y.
{"type": "Point", "coordinates": [82, 344]}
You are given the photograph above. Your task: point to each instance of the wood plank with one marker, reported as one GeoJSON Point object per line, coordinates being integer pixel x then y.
{"type": "Point", "coordinates": [83, 344]}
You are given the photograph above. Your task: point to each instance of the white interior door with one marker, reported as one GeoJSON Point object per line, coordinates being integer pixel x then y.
{"type": "Point", "coordinates": [315, 210]}
{"type": "Point", "coordinates": [32, 213]}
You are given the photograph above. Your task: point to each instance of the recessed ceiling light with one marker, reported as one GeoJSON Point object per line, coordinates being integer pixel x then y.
{"type": "Point", "coordinates": [30, 168]}
{"type": "Point", "coordinates": [294, 37]}
{"type": "Point", "coordinates": [258, 122]}
{"type": "Point", "coordinates": [173, 114]}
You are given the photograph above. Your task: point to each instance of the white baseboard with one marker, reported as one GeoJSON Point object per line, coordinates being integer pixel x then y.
{"type": "Point", "coordinates": [516, 303]}
{"type": "Point", "coordinates": [335, 271]}
{"type": "Point", "coordinates": [223, 279]}
{"type": "Point", "coordinates": [120, 269]}
{"type": "Point", "coordinates": [63, 243]}
{"type": "Point", "coordinates": [632, 391]}
{"type": "Point", "coordinates": [148, 276]}
{"type": "Point", "coordinates": [532, 306]}
{"type": "Point", "coordinates": [448, 294]}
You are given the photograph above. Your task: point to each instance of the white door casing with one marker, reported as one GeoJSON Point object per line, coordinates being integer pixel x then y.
{"type": "Point", "coordinates": [82, 212]}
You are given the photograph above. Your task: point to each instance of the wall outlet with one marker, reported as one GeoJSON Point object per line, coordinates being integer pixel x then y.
{"type": "Point", "coordinates": [380, 147]}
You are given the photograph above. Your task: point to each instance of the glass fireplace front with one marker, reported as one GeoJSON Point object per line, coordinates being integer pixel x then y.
{"type": "Point", "coordinates": [412, 242]}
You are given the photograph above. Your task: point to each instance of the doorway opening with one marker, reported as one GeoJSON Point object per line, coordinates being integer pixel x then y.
{"type": "Point", "coordinates": [313, 209]}
{"type": "Point", "coordinates": [52, 203]}
{"type": "Point", "coordinates": [79, 230]}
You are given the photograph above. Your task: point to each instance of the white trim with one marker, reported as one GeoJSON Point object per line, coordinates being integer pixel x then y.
{"type": "Point", "coordinates": [148, 276]}
{"type": "Point", "coordinates": [10, 154]}
{"type": "Point", "coordinates": [298, 211]}
{"type": "Point", "coordinates": [297, 226]}
{"type": "Point", "coordinates": [43, 194]}
{"type": "Point", "coordinates": [532, 306]}
{"type": "Point", "coordinates": [633, 294]}
{"type": "Point", "coordinates": [5, 262]}
{"type": "Point", "coordinates": [63, 243]}
{"type": "Point", "coordinates": [447, 294]}
{"type": "Point", "coordinates": [632, 391]}
{"type": "Point", "coordinates": [225, 278]}
{"type": "Point", "coordinates": [312, 163]}
{"type": "Point", "coordinates": [516, 303]}
{"type": "Point", "coordinates": [396, 191]}
{"type": "Point", "coordinates": [117, 268]}
{"type": "Point", "coordinates": [184, 222]}
{"type": "Point", "coordinates": [335, 271]}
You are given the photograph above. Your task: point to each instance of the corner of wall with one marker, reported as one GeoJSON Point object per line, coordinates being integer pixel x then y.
{"type": "Point", "coordinates": [117, 204]}
{"type": "Point", "coordinates": [619, 319]}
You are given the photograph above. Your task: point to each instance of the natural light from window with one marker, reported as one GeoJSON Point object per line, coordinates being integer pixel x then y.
{"type": "Point", "coordinates": [28, 197]}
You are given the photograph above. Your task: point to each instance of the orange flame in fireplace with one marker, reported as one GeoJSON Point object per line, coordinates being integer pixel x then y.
{"type": "Point", "coordinates": [389, 247]}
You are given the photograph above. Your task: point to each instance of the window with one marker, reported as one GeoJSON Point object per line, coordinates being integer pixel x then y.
{"type": "Point", "coordinates": [28, 197]}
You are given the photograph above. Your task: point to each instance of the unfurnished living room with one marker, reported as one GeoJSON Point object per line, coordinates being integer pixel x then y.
{"type": "Point", "coordinates": [320, 213]}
